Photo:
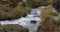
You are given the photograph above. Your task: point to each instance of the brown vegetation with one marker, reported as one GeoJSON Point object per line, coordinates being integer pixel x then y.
{"type": "Point", "coordinates": [13, 9]}
{"type": "Point", "coordinates": [48, 23]}
{"type": "Point", "coordinates": [13, 28]}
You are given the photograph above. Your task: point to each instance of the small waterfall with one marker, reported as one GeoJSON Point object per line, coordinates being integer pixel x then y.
{"type": "Point", "coordinates": [34, 15]}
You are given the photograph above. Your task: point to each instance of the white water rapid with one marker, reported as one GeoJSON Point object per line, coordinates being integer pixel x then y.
{"type": "Point", "coordinates": [34, 15]}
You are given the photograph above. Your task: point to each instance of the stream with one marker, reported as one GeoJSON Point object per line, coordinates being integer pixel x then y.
{"type": "Point", "coordinates": [34, 15]}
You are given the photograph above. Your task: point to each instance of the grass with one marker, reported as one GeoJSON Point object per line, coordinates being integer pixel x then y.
{"type": "Point", "coordinates": [12, 9]}
{"type": "Point", "coordinates": [13, 28]}
{"type": "Point", "coordinates": [48, 23]}
{"type": "Point", "coordinates": [14, 13]}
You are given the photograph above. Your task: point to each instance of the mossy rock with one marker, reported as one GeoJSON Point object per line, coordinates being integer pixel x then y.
{"type": "Point", "coordinates": [13, 28]}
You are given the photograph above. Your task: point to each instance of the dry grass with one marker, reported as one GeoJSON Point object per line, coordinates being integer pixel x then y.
{"type": "Point", "coordinates": [13, 28]}
{"type": "Point", "coordinates": [46, 13]}
{"type": "Point", "coordinates": [48, 22]}
{"type": "Point", "coordinates": [11, 10]}
{"type": "Point", "coordinates": [14, 13]}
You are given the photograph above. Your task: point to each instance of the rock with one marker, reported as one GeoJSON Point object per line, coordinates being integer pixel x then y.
{"type": "Point", "coordinates": [13, 28]}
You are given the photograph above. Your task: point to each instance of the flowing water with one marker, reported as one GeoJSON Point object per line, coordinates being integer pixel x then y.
{"type": "Point", "coordinates": [34, 15]}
